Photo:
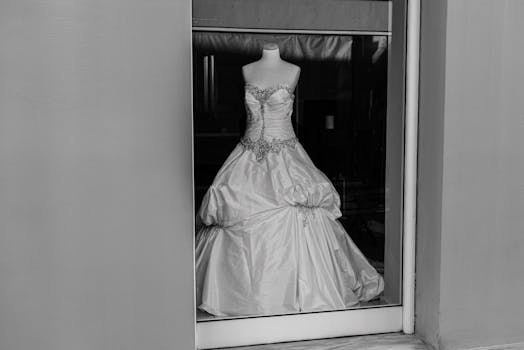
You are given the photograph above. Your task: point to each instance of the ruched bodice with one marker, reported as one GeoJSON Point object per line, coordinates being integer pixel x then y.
{"type": "Point", "coordinates": [269, 125]}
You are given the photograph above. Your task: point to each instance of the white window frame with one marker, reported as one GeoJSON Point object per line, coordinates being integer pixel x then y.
{"type": "Point", "coordinates": [368, 320]}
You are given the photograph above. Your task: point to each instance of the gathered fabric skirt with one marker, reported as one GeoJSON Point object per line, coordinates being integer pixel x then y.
{"type": "Point", "coordinates": [269, 242]}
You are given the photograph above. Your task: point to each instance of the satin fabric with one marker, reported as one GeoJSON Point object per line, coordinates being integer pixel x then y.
{"type": "Point", "coordinates": [268, 239]}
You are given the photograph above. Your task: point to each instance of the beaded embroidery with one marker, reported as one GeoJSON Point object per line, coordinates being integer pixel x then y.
{"type": "Point", "coordinates": [261, 147]}
{"type": "Point", "coordinates": [264, 94]}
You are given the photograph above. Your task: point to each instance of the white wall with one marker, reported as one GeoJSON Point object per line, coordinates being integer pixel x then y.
{"type": "Point", "coordinates": [472, 254]}
{"type": "Point", "coordinates": [430, 161]}
{"type": "Point", "coordinates": [482, 284]}
{"type": "Point", "coordinates": [95, 182]}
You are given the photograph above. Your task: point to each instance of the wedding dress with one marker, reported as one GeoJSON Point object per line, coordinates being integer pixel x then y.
{"type": "Point", "coordinates": [268, 239]}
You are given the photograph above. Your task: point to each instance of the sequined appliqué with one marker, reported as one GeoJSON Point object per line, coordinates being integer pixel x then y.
{"type": "Point", "coordinates": [262, 147]}
{"type": "Point", "coordinates": [262, 95]}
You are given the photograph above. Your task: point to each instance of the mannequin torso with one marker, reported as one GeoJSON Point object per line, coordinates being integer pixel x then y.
{"type": "Point", "coordinates": [271, 70]}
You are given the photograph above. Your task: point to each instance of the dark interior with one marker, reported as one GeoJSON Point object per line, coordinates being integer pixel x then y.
{"type": "Point", "coordinates": [349, 147]}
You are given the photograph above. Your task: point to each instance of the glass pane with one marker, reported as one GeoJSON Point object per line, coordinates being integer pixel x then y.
{"type": "Point", "coordinates": [288, 228]}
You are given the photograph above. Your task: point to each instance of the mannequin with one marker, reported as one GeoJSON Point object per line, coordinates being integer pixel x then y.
{"type": "Point", "coordinates": [270, 242]}
{"type": "Point", "coordinates": [271, 69]}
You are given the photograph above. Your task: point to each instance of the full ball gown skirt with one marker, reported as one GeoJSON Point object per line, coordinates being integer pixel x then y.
{"type": "Point", "coordinates": [268, 239]}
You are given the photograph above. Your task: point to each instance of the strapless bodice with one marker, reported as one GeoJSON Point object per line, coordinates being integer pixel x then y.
{"type": "Point", "coordinates": [269, 125]}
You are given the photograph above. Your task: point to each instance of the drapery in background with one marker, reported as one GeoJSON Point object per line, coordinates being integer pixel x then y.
{"type": "Point", "coordinates": [292, 46]}
{"type": "Point", "coordinates": [314, 47]}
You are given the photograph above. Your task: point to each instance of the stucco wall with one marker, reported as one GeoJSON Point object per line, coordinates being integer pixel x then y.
{"type": "Point", "coordinates": [482, 260]}
{"type": "Point", "coordinates": [95, 180]}
{"type": "Point", "coordinates": [430, 161]}
{"type": "Point", "coordinates": [478, 259]}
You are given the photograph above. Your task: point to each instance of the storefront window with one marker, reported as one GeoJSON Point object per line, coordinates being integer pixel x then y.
{"type": "Point", "coordinates": [339, 116]}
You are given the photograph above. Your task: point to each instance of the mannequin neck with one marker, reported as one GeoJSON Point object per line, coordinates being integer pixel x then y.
{"type": "Point", "coordinates": [271, 56]}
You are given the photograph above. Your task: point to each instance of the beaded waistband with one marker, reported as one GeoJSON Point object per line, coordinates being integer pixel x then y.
{"type": "Point", "coordinates": [262, 147]}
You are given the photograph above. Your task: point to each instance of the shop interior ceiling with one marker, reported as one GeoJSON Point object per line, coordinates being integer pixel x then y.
{"type": "Point", "coordinates": [298, 15]}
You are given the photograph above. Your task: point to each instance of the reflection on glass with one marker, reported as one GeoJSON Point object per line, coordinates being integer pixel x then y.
{"type": "Point", "coordinates": [267, 227]}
